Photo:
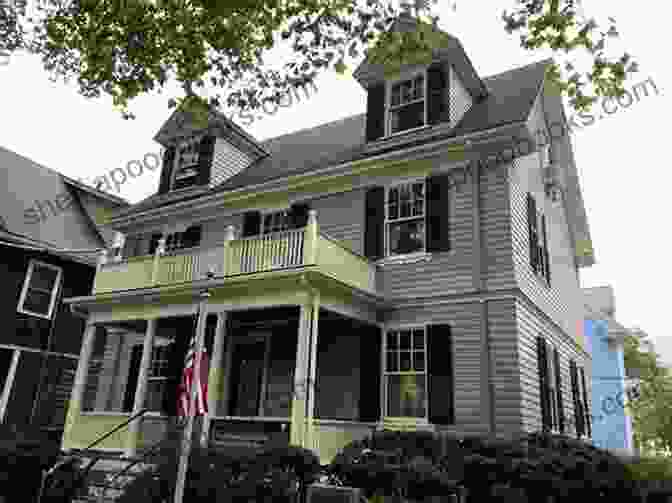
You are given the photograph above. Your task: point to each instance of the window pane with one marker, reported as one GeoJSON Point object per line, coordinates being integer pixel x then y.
{"type": "Point", "coordinates": [405, 339]}
{"type": "Point", "coordinates": [404, 361]}
{"type": "Point", "coordinates": [419, 190]}
{"type": "Point", "coordinates": [407, 237]}
{"type": "Point", "coordinates": [419, 360]}
{"type": "Point", "coordinates": [406, 395]}
{"type": "Point", "coordinates": [391, 340]}
{"type": "Point", "coordinates": [419, 86]}
{"type": "Point", "coordinates": [393, 212]}
{"type": "Point", "coordinates": [392, 364]}
{"type": "Point", "coordinates": [43, 278]}
{"type": "Point", "coordinates": [395, 97]}
{"type": "Point", "coordinates": [418, 339]}
{"type": "Point", "coordinates": [393, 197]}
{"type": "Point", "coordinates": [418, 209]}
{"type": "Point", "coordinates": [37, 302]}
{"type": "Point", "coordinates": [406, 91]}
{"type": "Point", "coordinates": [407, 117]}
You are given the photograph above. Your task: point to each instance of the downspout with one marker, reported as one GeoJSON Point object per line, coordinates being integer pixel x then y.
{"type": "Point", "coordinates": [479, 278]}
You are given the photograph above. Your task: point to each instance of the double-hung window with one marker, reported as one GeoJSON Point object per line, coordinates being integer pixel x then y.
{"type": "Point", "coordinates": [405, 208]}
{"type": "Point", "coordinates": [275, 221]}
{"type": "Point", "coordinates": [186, 164]}
{"type": "Point", "coordinates": [158, 374]}
{"type": "Point", "coordinates": [406, 372]}
{"type": "Point", "coordinates": [407, 106]}
{"type": "Point", "coordinates": [40, 289]}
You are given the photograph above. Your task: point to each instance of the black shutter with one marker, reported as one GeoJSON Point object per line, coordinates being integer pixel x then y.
{"type": "Point", "coordinates": [437, 218]}
{"type": "Point", "coordinates": [558, 388]}
{"type": "Point", "coordinates": [167, 170]}
{"type": "Point", "coordinates": [440, 375]}
{"type": "Point", "coordinates": [154, 242]}
{"type": "Point", "coordinates": [547, 263]}
{"type": "Point", "coordinates": [298, 215]}
{"type": "Point", "coordinates": [532, 231]}
{"type": "Point", "coordinates": [375, 113]}
{"type": "Point", "coordinates": [578, 409]}
{"type": "Point", "coordinates": [192, 236]}
{"type": "Point", "coordinates": [585, 401]}
{"type": "Point", "coordinates": [132, 381]}
{"type": "Point", "coordinates": [436, 103]}
{"type": "Point", "coordinates": [206, 151]}
{"type": "Point", "coordinates": [251, 224]}
{"type": "Point", "coordinates": [543, 384]}
{"type": "Point", "coordinates": [374, 228]}
{"type": "Point", "coordinates": [370, 373]}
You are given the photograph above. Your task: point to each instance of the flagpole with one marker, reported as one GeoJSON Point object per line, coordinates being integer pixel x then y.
{"type": "Point", "coordinates": [185, 451]}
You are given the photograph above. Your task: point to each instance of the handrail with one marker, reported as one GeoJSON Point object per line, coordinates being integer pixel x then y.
{"type": "Point", "coordinates": [116, 428]}
{"type": "Point", "coordinates": [124, 470]}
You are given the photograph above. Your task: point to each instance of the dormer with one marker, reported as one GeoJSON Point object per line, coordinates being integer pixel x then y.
{"type": "Point", "coordinates": [419, 96]}
{"type": "Point", "coordinates": [203, 154]}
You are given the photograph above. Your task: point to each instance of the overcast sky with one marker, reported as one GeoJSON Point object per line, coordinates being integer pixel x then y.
{"type": "Point", "coordinates": [624, 174]}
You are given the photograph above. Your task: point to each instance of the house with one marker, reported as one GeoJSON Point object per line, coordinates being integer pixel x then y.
{"type": "Point", "coordinates": [612, 425]}
{"type": "Point", "coordinates": [372, 272]}
{"type": "Point", "coordinates": [48, 240]}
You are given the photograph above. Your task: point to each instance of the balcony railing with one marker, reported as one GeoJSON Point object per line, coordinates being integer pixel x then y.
{"type": "Point", "coordinates": [271, 252]}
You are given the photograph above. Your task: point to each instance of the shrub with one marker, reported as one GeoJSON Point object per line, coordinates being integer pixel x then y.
{"type": "Point", "coordinates": [532, 467]}
{"type": "Point", "coordinates": [24, 453]}
{"type": "Point", "coordinates": [277, 472]}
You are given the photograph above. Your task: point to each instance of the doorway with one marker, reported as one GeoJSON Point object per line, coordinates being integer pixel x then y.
{"type": "Point", "coordinates": [249, 374]}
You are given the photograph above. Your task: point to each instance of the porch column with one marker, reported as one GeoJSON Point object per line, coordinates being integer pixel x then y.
{"type": "Point", "coordinates": [141, 388]}
{"type": "Point", "coordinates": [303, 402]}
{"type": "Point", "coordinates": [215, 376]}
{"type": "Point", "coordinates": [311, 439]}
{"type": "Point", "coordinates": [79, 386]}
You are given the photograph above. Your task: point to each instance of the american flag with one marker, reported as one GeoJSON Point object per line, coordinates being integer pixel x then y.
{"type": "Point", "coordinates": [198, 369]}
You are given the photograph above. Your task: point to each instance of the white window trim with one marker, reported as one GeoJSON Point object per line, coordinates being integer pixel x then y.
{"type": "Point", "coordinates": [385, 416]}
{"type": "Point", "coordinates": [54, 292]}
{"type": "Point", "coordinates": [388, 95]}
{"type": "Point", "coordinates": [404, 257]}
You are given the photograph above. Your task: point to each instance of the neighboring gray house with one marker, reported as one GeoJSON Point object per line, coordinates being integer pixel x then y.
{"type": "Point", "coordinates": [47, 222]}
{"type": "Point", "coordinates": [370, 272]}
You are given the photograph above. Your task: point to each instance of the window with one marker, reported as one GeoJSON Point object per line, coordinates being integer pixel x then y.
{"type": "Point", "coordinates": [190, 238]}
{"type": "Point", "coordinates": [579, 397]}
{"type": "Point", "coordinates": [405, 218]}
{"type": "Point", "coordinates": [158, 374]}
{"type": "Point", "coordinates": [552, 415]}
{"type": "Point", "coordinates": [186, 164]}
{"type": "Point", "coordinates": [39, 289]}
{"type": "Point", "coordinates": [538, 242]}
{"type": "Point", "coordinates": [405, 373]}
{"type": "Point", "coordinates": [276, 221]}
{"type": "Point", "coordinates": [407, 105]}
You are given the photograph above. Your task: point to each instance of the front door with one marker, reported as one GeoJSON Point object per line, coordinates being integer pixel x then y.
{"type": "Point", "coordinates": [248, 364]}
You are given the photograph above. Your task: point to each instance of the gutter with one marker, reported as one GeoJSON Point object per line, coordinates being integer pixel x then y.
{"type": "Point", "coordinates": [268, 186]}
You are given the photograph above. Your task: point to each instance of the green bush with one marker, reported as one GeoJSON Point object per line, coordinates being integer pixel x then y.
{"type": "Point", "coordinates": [418, 464]}
{"type": "Point", "coordinates": [278, 472]}
{"type": "Point", "coordinates": [24, 453]}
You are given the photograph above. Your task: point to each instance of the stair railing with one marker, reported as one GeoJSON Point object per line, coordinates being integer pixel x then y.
{"type": "Point", "coordinates": [143, 457]}
{"type": "Point", "coordinates": [85, 471]}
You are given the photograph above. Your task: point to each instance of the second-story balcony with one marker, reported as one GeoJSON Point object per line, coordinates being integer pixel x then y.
{"type": "Point", "coordinates": [295, 249]}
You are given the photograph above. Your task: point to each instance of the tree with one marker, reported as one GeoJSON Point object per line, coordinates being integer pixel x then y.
{"type": "Point", "coordinates": [652, 409]}
{"type": "Point", "coordinates": [125, 48]}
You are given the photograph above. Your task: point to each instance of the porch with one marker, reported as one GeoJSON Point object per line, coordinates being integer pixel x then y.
{"type": "Point", "coordinates": [296, 250]}
{"type": "Point", "coordinates": [271, 377]}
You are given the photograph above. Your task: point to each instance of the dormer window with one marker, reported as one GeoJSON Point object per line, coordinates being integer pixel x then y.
{"type": "Point", "coordinates": [406, 104]}
{"type": "Point", "coordinates": [186, 164]}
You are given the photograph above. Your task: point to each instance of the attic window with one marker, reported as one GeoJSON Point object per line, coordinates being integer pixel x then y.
{"type": "Point", "coordinates": [186, 164]}
{"type": "Point", "coordinates": [407, 104]}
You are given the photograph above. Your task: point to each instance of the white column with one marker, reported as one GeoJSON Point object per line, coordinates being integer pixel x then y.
{"type": "Point", "coordinates": [141, 388]}
{"type": "Point", "coordinates": [79, 386]}
{"type": "Point", "coordinates": [215, 376]}
{"type": "Point", "coordinates": [158, 253]}
{"type": "Point", "coordinates": [310, 240]}
{"type": "Point", "coordinates": [310, 438]}
{"type": "Point", "coordinates": [9, 384]}
{"type": "Point", "coordinates": [298, 426]}
{"type": "Point", "coordinates": [229, 235]}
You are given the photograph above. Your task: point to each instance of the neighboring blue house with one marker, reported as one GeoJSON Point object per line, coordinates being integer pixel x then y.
{"type": "Point", "coordinates": [612, 426]}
